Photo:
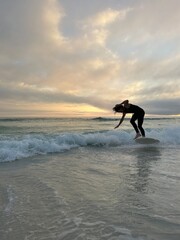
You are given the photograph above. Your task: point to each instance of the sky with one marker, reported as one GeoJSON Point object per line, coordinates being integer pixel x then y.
{"type": "Point", "coordinates": [78, 58]}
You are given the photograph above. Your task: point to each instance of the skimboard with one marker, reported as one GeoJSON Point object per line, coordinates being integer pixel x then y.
{"type": "Point", "coordinates": [146, 140]}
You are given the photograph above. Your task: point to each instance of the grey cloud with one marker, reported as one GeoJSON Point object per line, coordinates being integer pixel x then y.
{"type": "Point", "coordinates": [25, 29]}
{"type": "Point", "coordinates": [159, 107]}
{"type": "Point", "coordinates": [36, 96]}
{"type": "Point", "coordinates": [158, 88]}
{"type": "Point", "coordinates": [162, 106]}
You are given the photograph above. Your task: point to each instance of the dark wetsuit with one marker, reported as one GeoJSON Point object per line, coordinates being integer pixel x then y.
{"type": "Point", "coordinates": [138, 115]}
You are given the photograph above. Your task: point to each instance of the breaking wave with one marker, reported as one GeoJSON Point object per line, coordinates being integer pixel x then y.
{"type": "Point", "coordinates": [18, 147]}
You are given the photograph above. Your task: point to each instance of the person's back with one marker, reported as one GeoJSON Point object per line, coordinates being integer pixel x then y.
{"type": "Point", "coordinates": [133, 109]}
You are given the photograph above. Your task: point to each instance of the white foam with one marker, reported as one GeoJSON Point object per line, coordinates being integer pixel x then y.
{"type": "Point", "coordinates": [12, 148]}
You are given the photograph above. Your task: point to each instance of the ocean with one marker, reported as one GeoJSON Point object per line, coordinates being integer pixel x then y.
{"type": "Point", "coordinates": [81, 179]}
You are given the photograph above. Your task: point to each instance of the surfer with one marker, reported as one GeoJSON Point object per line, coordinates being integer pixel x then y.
{"type": "Point", "coordinates": [138, 114]}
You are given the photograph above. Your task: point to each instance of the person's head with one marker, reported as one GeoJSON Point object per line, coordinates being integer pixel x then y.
{"type": "Point", "coordinates": [118, 108]}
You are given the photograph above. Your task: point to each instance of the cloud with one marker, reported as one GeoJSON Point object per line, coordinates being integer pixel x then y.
{"type": "Point", "coordinates": [24, 22]}
{"type": "Point", "coordinates": [25, 94]}
{"type": "Point", "coordinates": [96, 28]}
{"type": "Point", "coordinates": [117, 52]}
{"type": "Point", "coordinates": [149, 30]}
{"type": "Point", "coordinates": [162, 106]}
{"type": "Point", "coordinates": [105, 18]}
{"type": "Point", "coordinates": [162, 14]}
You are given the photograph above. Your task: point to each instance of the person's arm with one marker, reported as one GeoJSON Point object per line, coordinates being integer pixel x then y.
{"type": "Point", "coordinates": [121, 120]}
{"type": "Point", "coordinates": [126, 103]}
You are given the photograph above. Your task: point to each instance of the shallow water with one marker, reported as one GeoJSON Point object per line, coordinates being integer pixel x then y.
{"type": "Point", "coordinates": [102, 185]}
{"type": "Point", "coordinates": [92, 193]}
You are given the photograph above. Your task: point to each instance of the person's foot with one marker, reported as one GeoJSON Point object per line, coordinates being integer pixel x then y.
{"type": "Point", "coordinates": [137, 135]}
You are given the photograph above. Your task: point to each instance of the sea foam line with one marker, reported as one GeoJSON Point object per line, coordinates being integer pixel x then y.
{"type": "Point", "coordinates": [30, 145]}
{"type": "Point", "coordinates": [12, 148]}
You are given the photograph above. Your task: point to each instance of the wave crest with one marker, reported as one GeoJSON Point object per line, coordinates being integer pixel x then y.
{"type": "Point", "coordinates": [30, 145]}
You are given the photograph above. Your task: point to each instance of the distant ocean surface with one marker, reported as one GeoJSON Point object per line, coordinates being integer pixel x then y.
{"type": "Point", "coordinates": [81, 179]}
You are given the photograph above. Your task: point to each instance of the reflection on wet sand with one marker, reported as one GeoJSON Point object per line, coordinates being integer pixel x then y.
{"type": "Point", "coordinates": [146, 158]}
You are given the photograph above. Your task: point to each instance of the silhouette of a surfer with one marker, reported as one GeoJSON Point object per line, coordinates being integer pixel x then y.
{"type": "Point", "coordinates": [138, 114]}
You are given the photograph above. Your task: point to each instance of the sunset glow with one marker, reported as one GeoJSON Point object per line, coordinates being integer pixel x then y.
{"type": "Point", "coordinates": [67, 58]}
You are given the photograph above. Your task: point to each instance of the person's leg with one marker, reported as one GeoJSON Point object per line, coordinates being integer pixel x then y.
{"type": "Point", "coordinates": [140, 123]}
{"type": "Point", "coordinates": [132, 121]}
